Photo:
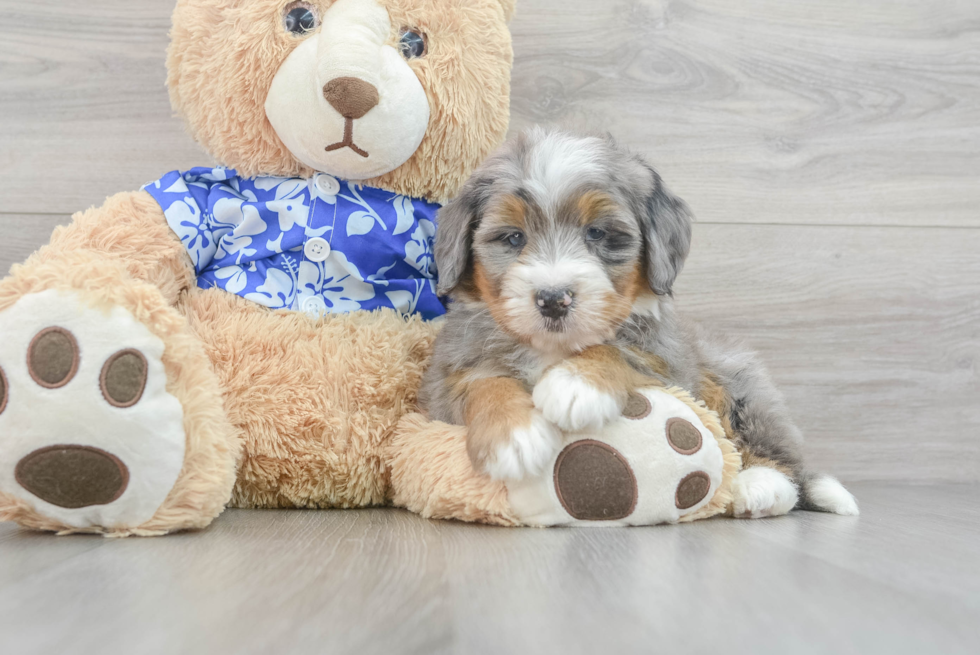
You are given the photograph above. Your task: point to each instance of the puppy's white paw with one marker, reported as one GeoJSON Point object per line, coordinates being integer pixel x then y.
{"type": "Point", "coordinates": [571, 403]}
{"type": "Point", "coordinates": [528, 452]}
{"type": "Point", "coordinates": [760, 491]}
{"type": "Point", "coordinates": [830, 495]}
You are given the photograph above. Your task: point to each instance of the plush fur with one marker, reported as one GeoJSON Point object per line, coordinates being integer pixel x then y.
{"type": "Point", "coordinates": [315, 400]}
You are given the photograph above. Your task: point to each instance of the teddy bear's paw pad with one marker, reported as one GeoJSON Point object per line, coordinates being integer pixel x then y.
{"type": "Point", "coordinates": [73, 476]}
{"type": "Point", "coordinates": [572, 403]}
{"type": "Point", "coordinates": [692, 490]}
{"type": "Point", "coordinates": [760, 491]}
{"type": "Point", "coordinates": [683, 436]}
{"type": "Point", "coordinates": [637, 406]}
{"type": "Point", "coordinates": [89, 434]}
{"type": "Point", "coordinates": [594, 482]}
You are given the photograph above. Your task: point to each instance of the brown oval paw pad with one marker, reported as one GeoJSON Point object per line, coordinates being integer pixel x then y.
{"type": "Point", "coordinates": [692, 490]}
{"type": "Point", "coordinates": [73, 476]}
{"type": "Point", "coordinates": [683, 436]}
{"type": "Point", "coordinates": [594, 482]}
{"type": "Point", "coordinates": [123, 378]}
{"type": "Point", "coordinates": [637, 406]}
{"type": "Point", "coordinates": [52, 357]}
{"type": "Point", "coordinates": [3, 391]}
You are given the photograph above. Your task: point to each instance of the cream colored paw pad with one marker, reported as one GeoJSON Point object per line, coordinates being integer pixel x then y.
{"type": "Point", "coordinates": [654, 464]}
{"type": "Point", "coordinates": [89, 434]}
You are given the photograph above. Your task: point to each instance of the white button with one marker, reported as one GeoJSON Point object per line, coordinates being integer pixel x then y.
{"type": "Point", "coordinates": [314, 305]}
{"type": "Point", "coordinates": [317, 249]}
{"type": "Point", "coordinates": [328, 185]}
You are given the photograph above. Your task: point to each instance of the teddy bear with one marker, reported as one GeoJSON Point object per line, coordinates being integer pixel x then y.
{"type": "Point", "coordinates": [253, 334]}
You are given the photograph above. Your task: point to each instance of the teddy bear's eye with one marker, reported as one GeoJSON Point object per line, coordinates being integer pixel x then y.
{"type": "Point", "coordinates": [299, 19]}
{"type": "Point", "coordinates": [412, 44]}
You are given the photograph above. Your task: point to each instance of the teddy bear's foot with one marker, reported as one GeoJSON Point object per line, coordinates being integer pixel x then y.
{"type": "Point", "coordinates": [760, 491]}
{"type": "Point", "coordinates": [90, 437]}
{"type": "Point", "coordinates": [662, 459]}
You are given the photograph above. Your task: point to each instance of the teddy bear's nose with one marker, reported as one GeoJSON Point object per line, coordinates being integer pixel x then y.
{"type": "Point", "coordinates": [350, 96]}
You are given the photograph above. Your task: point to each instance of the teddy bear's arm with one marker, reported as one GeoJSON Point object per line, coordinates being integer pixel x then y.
{"type": "Point", "coordinates": [128, 228]}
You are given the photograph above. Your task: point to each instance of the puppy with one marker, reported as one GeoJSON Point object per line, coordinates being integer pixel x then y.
{"type": "Point", "coordinates": [559, 255]}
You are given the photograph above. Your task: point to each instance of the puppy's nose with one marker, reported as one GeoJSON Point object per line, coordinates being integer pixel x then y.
{"type": "Point", "coordinates": [350, 96]}
{"type": "Point", "coordinates": [554, 303]}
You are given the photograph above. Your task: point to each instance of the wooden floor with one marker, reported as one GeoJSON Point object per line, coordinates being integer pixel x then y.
{"type": "Point", "coordinates": [902, 578]}
{"type": "Point", "coordinates": [831, 151]}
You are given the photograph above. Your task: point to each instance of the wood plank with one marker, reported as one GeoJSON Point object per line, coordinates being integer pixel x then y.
{"type": "Point", "coordinates": [756, 112]}
{"type": "Point", "coordinates": [873, 334]}
{"type": "Point", "coordinates": [86, 112]}
{"type": "Point", "coordinates": [762, 111]}
{"type": "Point", "coordinates": [383, 581]}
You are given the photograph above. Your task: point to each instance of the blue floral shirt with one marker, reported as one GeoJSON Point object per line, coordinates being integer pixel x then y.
{"type": "Point", "coordinates": [320, 245]}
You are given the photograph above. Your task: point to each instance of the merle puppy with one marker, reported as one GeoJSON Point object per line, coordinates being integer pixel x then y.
{"type": "Point", "coordinates": [559, 255]}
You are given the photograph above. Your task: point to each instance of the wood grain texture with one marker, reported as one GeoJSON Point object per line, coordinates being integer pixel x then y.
{"type": "Point", "coordinates": [872, 333]}
{"type": "Point", "coordinates": [85, 110]}
{"type": "Point", "coordinates": [757, 111]}
{"type": "Point", "coordinates": [762, 111]}
{"type": "Point", "coordinates": [901, 578]}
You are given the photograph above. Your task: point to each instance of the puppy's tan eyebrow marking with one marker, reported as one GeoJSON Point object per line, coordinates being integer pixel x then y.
{"type": "Point", "coordinates": [593, 205]}
{"type": "Point", "coordinates": [512, 211]}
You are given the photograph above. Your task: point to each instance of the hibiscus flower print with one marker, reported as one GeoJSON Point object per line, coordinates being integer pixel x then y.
{"type": "Point", "coordinates": [419, 251]}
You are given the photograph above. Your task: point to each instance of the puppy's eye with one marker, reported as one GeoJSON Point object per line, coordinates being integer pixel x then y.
{"type": "Point", "coordinates": [412, 44]}
{"type": "Point", "coordinates": [595, 234]}
{"type": "Point", "coordinates": [299, 19]}
{"type": "Point", "coordinates": [516, 239]}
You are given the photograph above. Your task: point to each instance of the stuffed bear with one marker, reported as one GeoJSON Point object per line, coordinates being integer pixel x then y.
{"type": "Point", "coordinates": [253, 334]}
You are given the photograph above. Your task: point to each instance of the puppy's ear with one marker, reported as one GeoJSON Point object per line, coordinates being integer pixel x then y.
{"type": "Point", "coordinates": [509, 7]}
{"type": "Point", "coordinates": [666, 225]}
{"type": "Point", "coordinates": [454, 236]}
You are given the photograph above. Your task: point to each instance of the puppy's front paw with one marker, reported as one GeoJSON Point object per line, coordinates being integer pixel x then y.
{"type": "Point", "coordinates": [760, 491]}
{"type": "Point", "coordinates": [527, 452]}
{"type": "Point", "coordinates": [569, 401]}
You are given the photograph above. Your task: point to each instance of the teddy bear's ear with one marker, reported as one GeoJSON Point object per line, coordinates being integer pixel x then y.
{"type": "Point", "coordinates": [509, 6]}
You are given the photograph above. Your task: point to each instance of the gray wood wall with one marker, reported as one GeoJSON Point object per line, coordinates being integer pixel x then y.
{"type": "Point", "coordinates": [831, 151]}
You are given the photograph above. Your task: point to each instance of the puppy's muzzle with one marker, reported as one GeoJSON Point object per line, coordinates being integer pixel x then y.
{"type": "Point", "coordinates": [554, 303]}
